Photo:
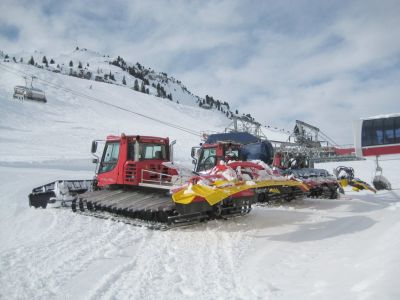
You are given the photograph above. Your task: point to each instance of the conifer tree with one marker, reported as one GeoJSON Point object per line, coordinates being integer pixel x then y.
{"type": "Point", "coordinates": [124, 80]}
{"type": "Point", "coordinates": [111, 76]}
{"type": "Point", "coordinates": [136, 85]}
{"type": "Point", "coordinates": [31, 61]}
{"type": "Point", "coordinates": [71, 64]}
{"type": "Point", "coordinates": [158, 90]}
{"type": "Point", "coordinates": [142, 87]}
{"type": "Point", "coordinates": [79, 65]}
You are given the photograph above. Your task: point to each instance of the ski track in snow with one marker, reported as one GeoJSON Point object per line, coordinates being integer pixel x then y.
{"type": "Point", "coordinates": [318, 248]}
{"type": "Point", "coordinates": [169, 264]}
{"type": "Point", "coordinates": [75, 256]}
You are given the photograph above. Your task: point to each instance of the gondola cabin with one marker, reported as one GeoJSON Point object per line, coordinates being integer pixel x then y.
{"type": "Point", "coordinates": [378, 136]}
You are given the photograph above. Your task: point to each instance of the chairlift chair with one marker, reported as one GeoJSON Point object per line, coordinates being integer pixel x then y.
{"type": "Point", "coordinates": [31, 93]}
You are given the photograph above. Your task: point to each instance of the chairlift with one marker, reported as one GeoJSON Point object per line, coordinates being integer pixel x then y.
{"type": "Point", "coordinates": [30, 93]}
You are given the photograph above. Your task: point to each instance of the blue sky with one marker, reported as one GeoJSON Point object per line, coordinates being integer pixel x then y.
{"type": "Point", "coordinates": [325, 62]}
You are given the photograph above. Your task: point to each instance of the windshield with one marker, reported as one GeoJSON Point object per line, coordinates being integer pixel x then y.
{"type": "Point", "coordinates": [207, 159]}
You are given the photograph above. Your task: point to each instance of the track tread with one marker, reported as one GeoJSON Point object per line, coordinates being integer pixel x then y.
{"type": "Point", "coordinates": [153, 209]}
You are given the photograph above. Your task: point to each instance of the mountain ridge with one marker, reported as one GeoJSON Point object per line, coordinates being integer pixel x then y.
{"type": "Point", "coordinates": [92, 65]}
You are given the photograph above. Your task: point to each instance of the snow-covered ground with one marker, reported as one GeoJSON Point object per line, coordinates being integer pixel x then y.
{"type": "Point", "coordinates": [311, 249]}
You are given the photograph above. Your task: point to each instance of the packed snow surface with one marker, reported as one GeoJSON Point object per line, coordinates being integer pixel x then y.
{"type": "Point", "coordinates": [309, 249]}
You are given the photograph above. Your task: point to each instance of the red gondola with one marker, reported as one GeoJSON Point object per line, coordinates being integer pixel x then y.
{"type": "Point", "coordinates": [378, 137]}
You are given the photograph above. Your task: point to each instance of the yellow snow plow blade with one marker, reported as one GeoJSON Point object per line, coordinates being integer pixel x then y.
{"type": "Point", "coordinates": [222, 190]}
{"type": "Point", "coordinates": [362, 185]}
{"type": "Point", "coordinates": [343, 182]}
{"type": "Point", "coordinates": [212, 194]}
{"type": "Point", "coordinates": [356, 185]}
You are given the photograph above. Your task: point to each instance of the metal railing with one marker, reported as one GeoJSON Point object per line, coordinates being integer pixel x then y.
{"type": "Point", "coordinates": [162, 180]}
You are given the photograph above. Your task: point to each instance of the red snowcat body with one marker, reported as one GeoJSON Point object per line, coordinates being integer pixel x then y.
{"type": "Point", "coordinates": [135, 160]}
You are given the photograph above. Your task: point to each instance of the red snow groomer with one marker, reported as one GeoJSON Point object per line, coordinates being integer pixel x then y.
{"type": "Point", "coordinates": [249, 155]}
{"type": "Point", "coordinates": [135, 179]}
{"type": "Point", "coordinates": [320, 182]}
{"type": "Point", "coordinates": [297, 165]}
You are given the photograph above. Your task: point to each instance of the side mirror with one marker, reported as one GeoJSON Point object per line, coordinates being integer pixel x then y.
{"type": "Point", "coordinates": [95, 160]}
{"type": "Point", "coordinates": [171, 150]}
{"type": "Point", "coordinates": [94, 147]}
{"type": "Point", "coordinates": [193, 152]}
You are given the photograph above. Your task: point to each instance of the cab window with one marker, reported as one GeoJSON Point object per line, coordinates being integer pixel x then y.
{"type": "Point", "coordinates": [231, 153]}
{"type": "Point", "coordinates": [110, 157]}
{"type": "Point", "coordinates": [381, 131]}
{"type": "Point", "coordinates": [153, 151]}
{"type": "Point", "coordinates": [397, 129]}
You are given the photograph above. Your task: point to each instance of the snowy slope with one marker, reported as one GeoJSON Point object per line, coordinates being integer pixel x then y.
{"type": "Point", "coordinates": [64, 127]}
{"type": "Point", "coordinates": [83, 118]}
{"type": "Point", "coordinates": [95, 66]}
{"type": "Point", "coordinates": [311, 249]}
